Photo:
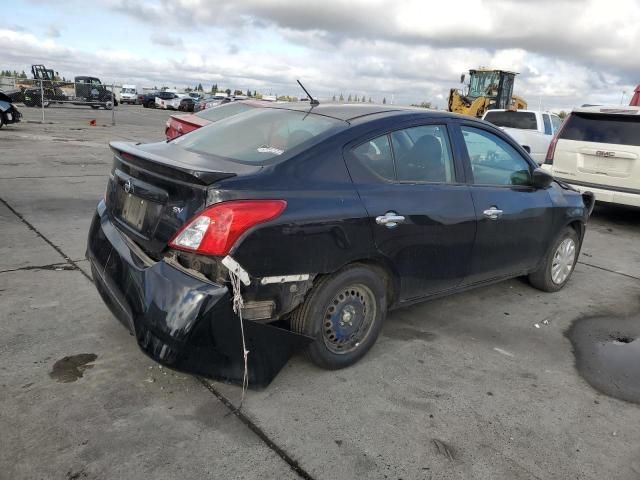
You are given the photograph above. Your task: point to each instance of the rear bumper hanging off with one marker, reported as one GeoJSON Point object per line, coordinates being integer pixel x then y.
{"type": "Point", "coordinates": [179, 320]}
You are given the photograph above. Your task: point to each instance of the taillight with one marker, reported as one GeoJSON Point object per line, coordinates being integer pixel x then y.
{"type": "Point", "coordinates": [551, 151]}
{"type": "Point", "coordinates": [216, 229]}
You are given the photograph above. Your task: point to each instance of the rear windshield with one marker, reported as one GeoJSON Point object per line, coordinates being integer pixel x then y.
{"type": "Point", "coordinates": [598, 128]}
{"type": "Point", "coordinates": [223, 111]}
{"type": "Point", "coordinates": [258, 135]}
{"type": "Point", "coordinates": [524, 120]}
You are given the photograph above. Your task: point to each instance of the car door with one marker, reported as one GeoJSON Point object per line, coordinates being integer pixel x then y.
{"type": "Point", "coordinates": [419, 208]}
{"type": "Point", "coordinates": [514, 219]}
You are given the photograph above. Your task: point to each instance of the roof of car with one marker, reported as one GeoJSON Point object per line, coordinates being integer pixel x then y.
{"type": "Point", "coordinates": [350, 112]}
{"type": "Point", "coordinates": [609, 109]}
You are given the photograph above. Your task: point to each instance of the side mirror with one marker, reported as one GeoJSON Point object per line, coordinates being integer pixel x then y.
{"type": "Point", "coordinates": [541, 178]}
{"type": "Point", "coordinates": [462, 78]}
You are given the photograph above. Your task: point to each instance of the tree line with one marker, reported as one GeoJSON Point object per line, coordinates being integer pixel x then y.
{"type": "Point", "coordinates": [15, 74]}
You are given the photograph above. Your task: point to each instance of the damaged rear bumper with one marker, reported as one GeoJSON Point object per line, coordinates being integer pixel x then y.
{"type": "Point", "coordinates": [179, 320]}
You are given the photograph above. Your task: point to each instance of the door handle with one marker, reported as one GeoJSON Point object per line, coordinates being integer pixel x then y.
{"type": "Point", "coordinates": [389, 219]}
{"type": "Point", "coordinates": [493, 213]}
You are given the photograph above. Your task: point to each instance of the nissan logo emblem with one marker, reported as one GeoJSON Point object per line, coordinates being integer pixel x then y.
{"type": "Point", "coordinates": [128, 188]}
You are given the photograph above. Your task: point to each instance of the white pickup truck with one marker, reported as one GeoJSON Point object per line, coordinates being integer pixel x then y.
{"type": "Point", "coordinates": [533, 130]}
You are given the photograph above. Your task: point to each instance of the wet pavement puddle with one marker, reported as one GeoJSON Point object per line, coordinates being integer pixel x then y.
{"type": "Point", "coordinates": [607, 352]}
{"type": "Point", "coordinates": [69, 369]}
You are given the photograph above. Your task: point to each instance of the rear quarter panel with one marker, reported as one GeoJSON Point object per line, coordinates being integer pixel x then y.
{"type": "Point", "coordinates": [324, 226]}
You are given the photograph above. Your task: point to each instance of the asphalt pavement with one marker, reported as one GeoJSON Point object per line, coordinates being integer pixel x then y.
{"type": "Point", "coordinates": [479, 385]}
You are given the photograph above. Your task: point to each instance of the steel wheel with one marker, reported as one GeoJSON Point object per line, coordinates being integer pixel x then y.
{"type": "Point", "coordinates": [348, 319]}
{"type": "Point", "coordinates": [563, 261]}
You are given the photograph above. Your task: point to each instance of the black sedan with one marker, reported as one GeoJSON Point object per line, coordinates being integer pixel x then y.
{"type": "Point", "coordinates": [331, 216]}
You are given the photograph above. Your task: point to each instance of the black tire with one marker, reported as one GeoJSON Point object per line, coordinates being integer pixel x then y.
{"type": "Point", "coordinates": [543, 278]}
{"type": "Point", "coordinates": [364, 301]}
{"type": "Point", "coordinates": [1, 119]}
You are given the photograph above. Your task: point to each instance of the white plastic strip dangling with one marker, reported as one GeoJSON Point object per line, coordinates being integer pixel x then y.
{"type": "Point", "coordinates": [236, 278]}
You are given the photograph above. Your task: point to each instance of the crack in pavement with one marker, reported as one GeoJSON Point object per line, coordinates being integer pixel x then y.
{"type": "Point", "coordinates": [609, 270]}
{"type": "Point", "coordinates": [49, 242]}
{"type": "Point", "coordinates": [56, 176]}
{"type": "Point", "coordinates": [53, 266]}
{"type": "Point", "coordinates": [72, 265]}
{"type": "Point", "coordinates": [295, 466]}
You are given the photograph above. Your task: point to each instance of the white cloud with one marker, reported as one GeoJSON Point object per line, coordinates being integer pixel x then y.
{"type": "Point", "coordinates": [568, 52]}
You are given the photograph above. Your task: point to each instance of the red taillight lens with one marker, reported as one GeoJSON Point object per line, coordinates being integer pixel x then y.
{"type": "Point", "coordinates": [216, 229]}
{"type": "Point", "coordinates": [551, 150]}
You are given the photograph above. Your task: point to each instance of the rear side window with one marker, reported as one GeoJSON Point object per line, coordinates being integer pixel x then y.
{"type": "Point", "coordinates": [218, 113]}
{"type": "Point", "coordinates": [597, 128]}
{"type": "Point", "coordinates": [376, 156]}
{"type": "Point", "coordinates": [423, 155]}
{"type": "Point", "coordinates": [524, 120]}
{"type": "Point", "coordinates": [419, 154]}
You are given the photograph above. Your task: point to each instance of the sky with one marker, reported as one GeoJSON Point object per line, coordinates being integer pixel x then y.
{"type": "Point", "coordinates": [567, 52]}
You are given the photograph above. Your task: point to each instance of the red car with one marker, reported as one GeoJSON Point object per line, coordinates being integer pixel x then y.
{"type": "Point", "coordinates": [178, 125]}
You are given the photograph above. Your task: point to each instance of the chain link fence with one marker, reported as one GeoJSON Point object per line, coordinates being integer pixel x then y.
{"type": "Point", "coordinates": [41, 94]}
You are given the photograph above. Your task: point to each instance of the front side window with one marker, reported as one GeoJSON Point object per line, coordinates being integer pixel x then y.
{"type": "Point", "coordinates": [494, 161]}
{"type": "Point", "coordinates": [556, 121]}
{"type": "Point", "coordinates": [258, 135]}
{"type": "Point", "coordinates": [422, 154]}
{"type": "Point", "coordinates": [484, 83]}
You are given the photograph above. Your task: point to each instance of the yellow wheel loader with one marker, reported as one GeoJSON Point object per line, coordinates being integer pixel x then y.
{"type": "Point", "coordinates": [487, 89]}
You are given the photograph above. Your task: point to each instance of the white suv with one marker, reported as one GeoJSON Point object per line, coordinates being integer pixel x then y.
{"type": "Point", "coordinates": [598, 149]}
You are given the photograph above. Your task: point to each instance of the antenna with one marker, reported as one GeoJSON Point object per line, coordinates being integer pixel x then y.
{"type": "Point", "coordinates": [313, 101]}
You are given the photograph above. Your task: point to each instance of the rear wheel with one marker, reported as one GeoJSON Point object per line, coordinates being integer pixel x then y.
{"type": "Point", "coordinates": [558, 263]}
{"type": "Point", "coordinates": [344, 313]}
{"type": "Point", "coordinates": [1, 119]}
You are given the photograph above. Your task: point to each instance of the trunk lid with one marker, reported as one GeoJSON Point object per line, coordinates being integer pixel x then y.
{"type": "Point", "coordinates": [191, 120]}
{"type": "Point", "coordinates": [155, 188]}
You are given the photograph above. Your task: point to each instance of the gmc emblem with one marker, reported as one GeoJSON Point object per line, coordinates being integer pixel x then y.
{"type": "Point", "coordinates": [602, 153]}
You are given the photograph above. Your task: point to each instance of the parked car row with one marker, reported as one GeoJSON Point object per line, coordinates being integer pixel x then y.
{"type": "Point", "coordinates": [178, 125]}
{"type": "Point", "coordinates": [168, 100]}
{"type": "Point", "coordinates": [209, 101]}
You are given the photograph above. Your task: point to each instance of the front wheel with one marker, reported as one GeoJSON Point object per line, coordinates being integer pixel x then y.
{"type": "Point", "coordinates": [344, 313]}
{"type": "Point", "coordinates": [558, 263]}
{"type": "Point", "coordinates": [1, 119]}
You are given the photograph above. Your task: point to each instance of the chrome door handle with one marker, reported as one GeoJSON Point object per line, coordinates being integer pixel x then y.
{"type": "Point", "coordinates": [389, 219]}
{"type": "Point", "coordinates": [492, 213]}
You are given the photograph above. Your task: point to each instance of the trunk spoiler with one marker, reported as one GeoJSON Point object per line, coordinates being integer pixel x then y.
{"type": "Point", "coordinates": [142, 158]}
